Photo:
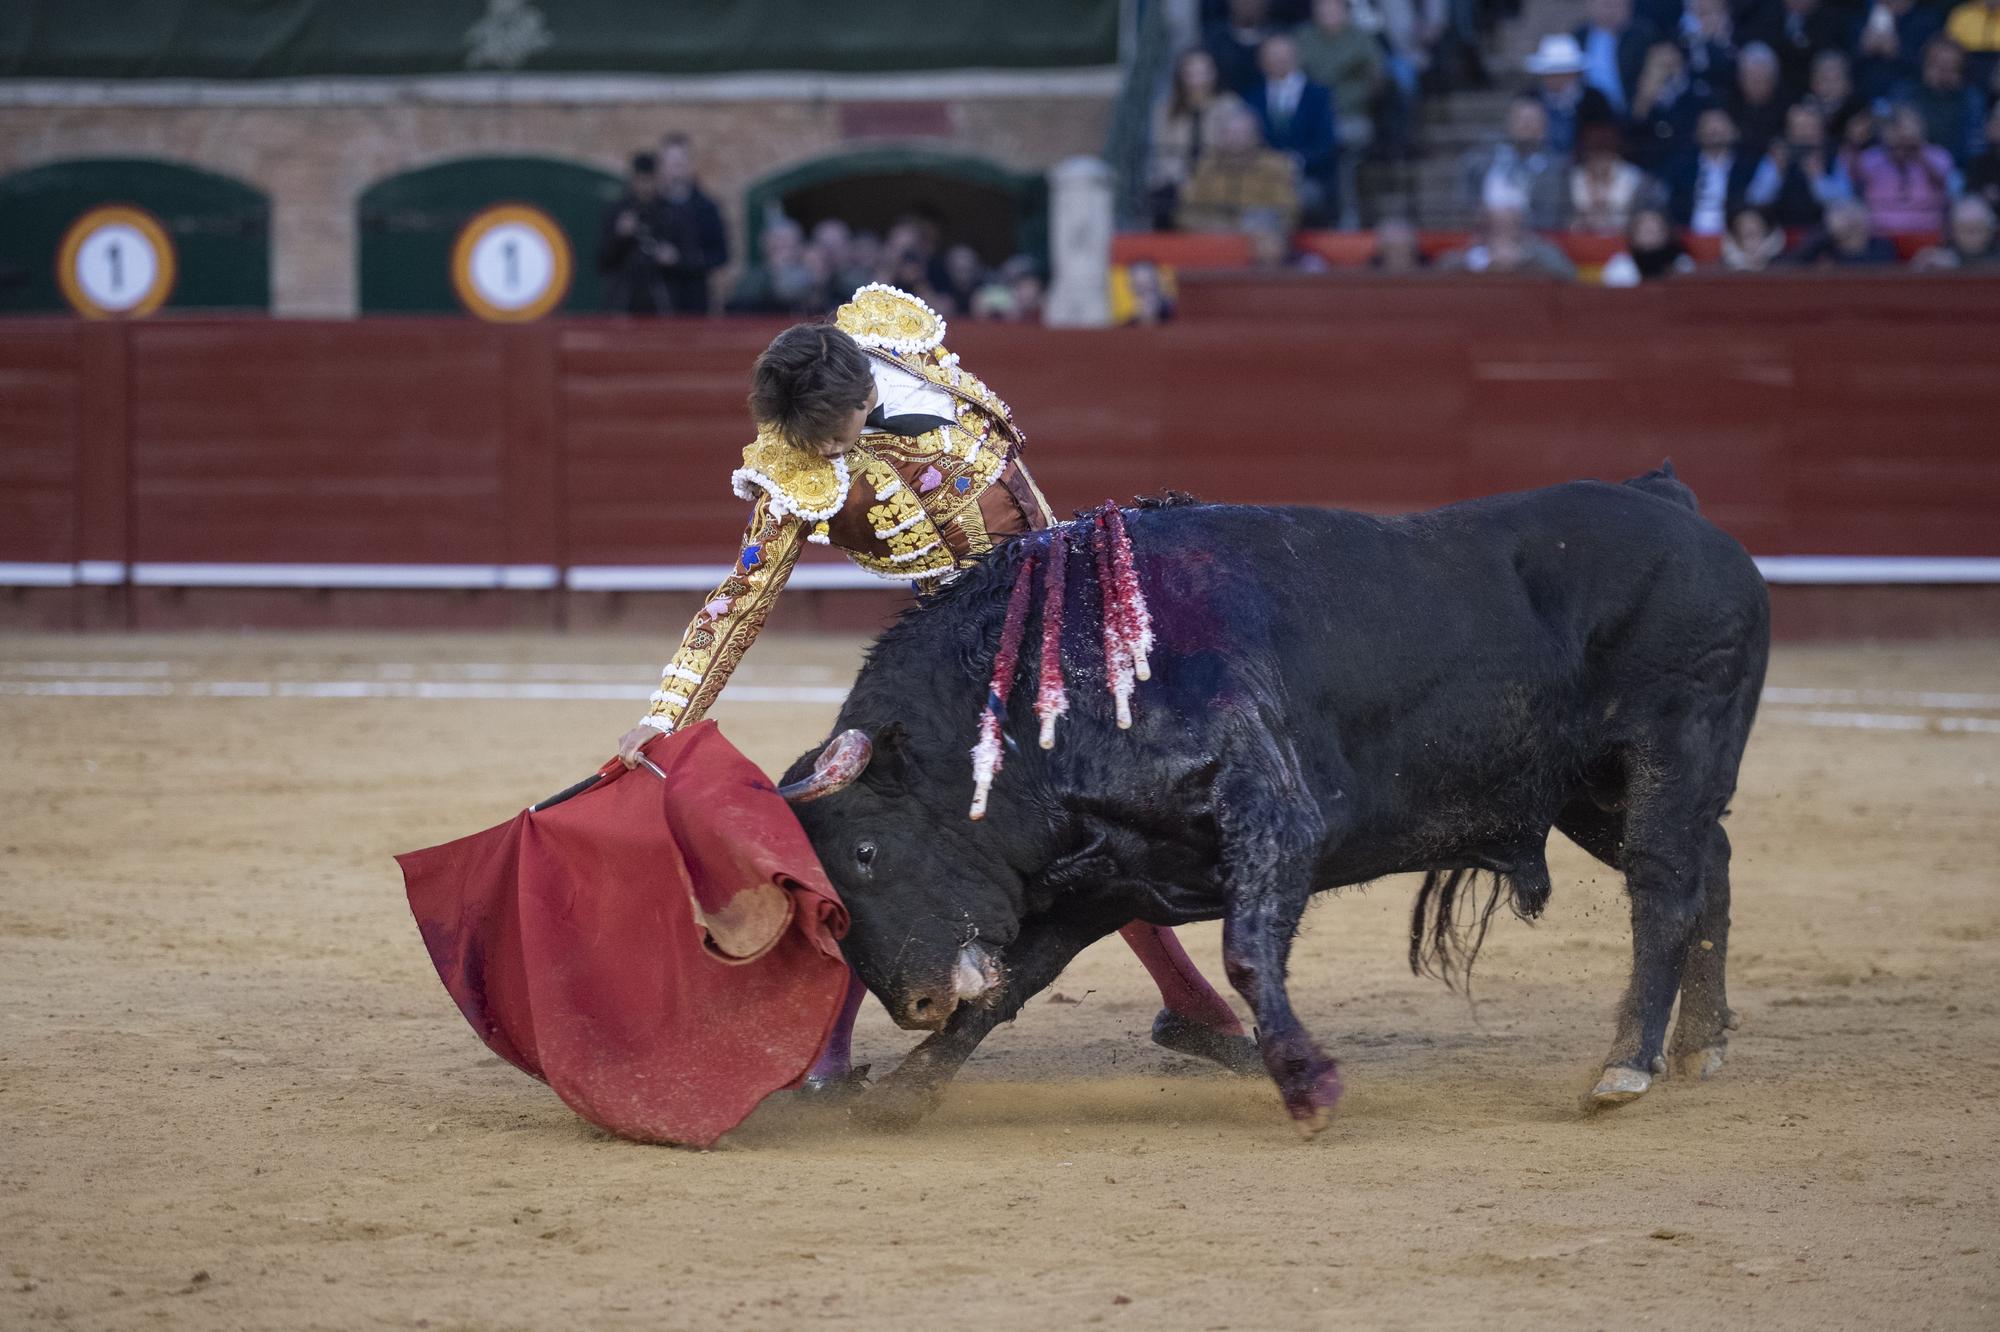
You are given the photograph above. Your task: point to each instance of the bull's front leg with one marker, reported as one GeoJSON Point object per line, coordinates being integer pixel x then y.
{"type": "Point", "coordinates": [1270, 838]}
{"type": "Point", "coordinates": [1028, 965]}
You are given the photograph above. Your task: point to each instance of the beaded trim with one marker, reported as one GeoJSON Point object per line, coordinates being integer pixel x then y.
{"type": "Point", "coordinates": [878, 307]}
{"type": "Point", "coordinates": [743, 478]}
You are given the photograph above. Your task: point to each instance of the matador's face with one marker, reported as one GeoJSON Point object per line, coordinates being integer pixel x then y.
{"type": "Point", "coordinates": [850, 430]}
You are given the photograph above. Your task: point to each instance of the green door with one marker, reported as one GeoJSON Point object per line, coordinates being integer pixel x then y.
{"type": "Point", "coordinates": [200, 241]}
{"type": "Point", "coordinates": [417, 254]}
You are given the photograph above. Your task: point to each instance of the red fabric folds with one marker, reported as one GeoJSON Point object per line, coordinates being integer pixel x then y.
{"type": "Point", "coordinates": [662, 954]}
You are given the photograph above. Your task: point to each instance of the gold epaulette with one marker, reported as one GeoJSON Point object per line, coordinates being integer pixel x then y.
{"type": "Point", "coordinates": [883, 316]}
{"type": "Point", "coordinates": [799, 483]}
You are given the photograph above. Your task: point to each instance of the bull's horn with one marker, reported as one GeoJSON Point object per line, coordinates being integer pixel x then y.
{"type": "Point", "coordinates": [834, 770]}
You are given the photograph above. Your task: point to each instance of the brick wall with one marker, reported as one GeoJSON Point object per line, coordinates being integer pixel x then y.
{"type": "Point", "coordinates": [315, 160]}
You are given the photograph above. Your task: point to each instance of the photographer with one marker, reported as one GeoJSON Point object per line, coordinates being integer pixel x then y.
{"type": "Point", "coordinates": [632, 250]}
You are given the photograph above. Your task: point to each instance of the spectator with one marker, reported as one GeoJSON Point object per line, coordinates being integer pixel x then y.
{"type": "Point", "coordinates": [1557, 64]}
{"type": "Point", "coordinates": [964, 275]}
{"type": "Point", "coordinates": [692, 231]}
{"type": "Point", "coordinates": [1397, 249]}
{"type": "Point", "coordinates": [1614, 50]}
{"type": "Point", "coordinates": [1603, 187]}
{"type": "Point", "coordinates": [1236, 42]}
{"type": "Point", "coordinates": [1652, 251]}
{"type": "Point", "coordinates": [1800, 175]}
{"type": "Point", "coordinates": [910, 237]}
{"type": "Point", "coordinates": [1847, 240]}
{"type": "Point", "coordinates": [789, 279]}
{"type": "Point", "coordinates": [1298, 121]}
{"type": "Point", "coordinates": [1982, 173]}
{"type": "Point", "coordinates": [1013, 295]}
{"type": "Point", "coordinates": [1271, 247]}
{"type": "Point", "coordinates": [1235, 173]}
{"type": "Point", "coordinates": [1969, 240]}
{"type": "Point", "coordinates": [864, 258]}
{"type": "Point", "coordinates": [1890, 42]}
{"type": "Point", "coordinates": [629, 255]}
{"type": "Point", "coordinates": [1832, 92]}
{"type": "Point", "coordinates": [1799, 30]}
{"type": "Point", "coordinates": [1150, 302]}
{"type": "Point", "coordinates": [1664, 111]}
{"type": "Point", "coordinates": [1410, 30]}
{"type": "Point", "coordinates": [909, 270]}
{"type": "Point", "coordinates": [1505, 246]}
{"type": "Point", "coordinates": [1952, 110]}
{"type": "Point", "coordinates": [1705, 189]}
{"type": "Point", "coordinates": [1756, 105]}
{"type": "Point", "coordinates": [1975, 26]}
{"type": "Point", "coordinates": [1335, 53]}
{"type": "Point", "coordinates": [1522, 166]}
{"type": "Point", "coordinates": [1751, 244]}
{"type": "Point", "coordinates": [1907, 179]}
{"type": "Point", "coordinates": [846, 269]}
{"type": "Point", "coordinates": [1183, 127]}
{"type": "Point", "coordinates": [1708, 35]}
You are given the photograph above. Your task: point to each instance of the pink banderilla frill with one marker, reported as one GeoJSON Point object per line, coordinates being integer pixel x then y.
{"type": "Point", "coordinates": [1127, 631]}
{"type": "Point", "coordinates": [987, 754]}
{"type": "Point", "coordinates": [1051, 699]}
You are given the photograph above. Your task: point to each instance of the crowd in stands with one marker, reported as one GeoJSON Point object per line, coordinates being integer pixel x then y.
{"type": "Point", "coordinates": [662, 241]}
{"type": "Point", "coordinates": [1789, 131]}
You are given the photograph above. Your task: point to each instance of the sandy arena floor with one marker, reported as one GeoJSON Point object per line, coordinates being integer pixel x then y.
{"type": "Point", "coordinates": [234, 1095]}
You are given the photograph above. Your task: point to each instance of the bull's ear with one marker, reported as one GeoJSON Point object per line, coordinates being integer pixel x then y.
{"type": "Point", "coordinates": [892, 767]}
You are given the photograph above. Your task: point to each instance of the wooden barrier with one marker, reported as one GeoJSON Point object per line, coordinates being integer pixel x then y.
{"type": "Point", "coordinates": [1831, 416]}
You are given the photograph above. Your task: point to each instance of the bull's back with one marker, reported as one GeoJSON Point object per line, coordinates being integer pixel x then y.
{"type": "Point", "coordinates": [1470, 657]}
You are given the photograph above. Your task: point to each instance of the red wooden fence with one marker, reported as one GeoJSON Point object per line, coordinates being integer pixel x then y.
{"type": "Point", "coordinates": [1825, 416]}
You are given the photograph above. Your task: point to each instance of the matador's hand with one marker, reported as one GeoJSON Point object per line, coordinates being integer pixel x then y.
{"type": "Point", "coordinates": [630, 743]}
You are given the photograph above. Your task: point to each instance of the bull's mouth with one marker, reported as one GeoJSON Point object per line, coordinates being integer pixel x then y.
{"type": "Point", "coordinates": [975, 979]}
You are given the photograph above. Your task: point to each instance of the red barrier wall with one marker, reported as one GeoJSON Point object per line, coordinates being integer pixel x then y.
{"type": "Point", "coordinates": [1819, 416]}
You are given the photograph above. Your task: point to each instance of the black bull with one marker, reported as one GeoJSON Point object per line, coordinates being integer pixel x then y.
{"type": "Point", "coordinates": [1335, 697]}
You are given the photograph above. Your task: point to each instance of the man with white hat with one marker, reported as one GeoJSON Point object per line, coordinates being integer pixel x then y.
{"type": "Point", "coordinates": [1557, 64]}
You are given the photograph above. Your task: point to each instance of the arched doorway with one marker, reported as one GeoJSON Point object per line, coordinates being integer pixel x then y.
{"type": "Point", "coordinates": [979, 203]}
{"type": "Point", "coordinates": [201, 240]}
{"type": "Point", "coordinates": [411, 226]}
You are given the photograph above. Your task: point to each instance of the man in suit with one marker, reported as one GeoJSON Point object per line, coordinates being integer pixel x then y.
{"type": "Point", "coordinates": [1614, 48]}
{"type": "Point", "coordinates": [1296, 116]}
{"type": "Point", "coordinates": [1520, 171]}
{"type": "Point", "coordinates": [1708, 187]}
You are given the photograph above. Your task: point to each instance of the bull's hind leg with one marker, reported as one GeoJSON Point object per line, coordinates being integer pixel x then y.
{"type": "Point", "coordinates": [1269, 844]}
{"type": "Point", "coordinates": [1701, 1033]}
{"type": "Point", "coordinates": [1668, 826]}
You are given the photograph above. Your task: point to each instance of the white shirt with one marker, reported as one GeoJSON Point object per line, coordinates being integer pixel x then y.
{"type": "Point", "coordinates": [905, 393]}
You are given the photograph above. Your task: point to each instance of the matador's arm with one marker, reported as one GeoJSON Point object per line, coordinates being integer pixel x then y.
{"type": "Point", "coordinates": [727, 623]}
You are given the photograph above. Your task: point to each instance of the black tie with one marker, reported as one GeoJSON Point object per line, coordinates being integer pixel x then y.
{"type": "Point", "coordinates": [909, 425]}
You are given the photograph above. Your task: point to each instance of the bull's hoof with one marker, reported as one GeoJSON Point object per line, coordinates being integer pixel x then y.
{"type": "Point", "coordinates": [1183, 1035]}
{"type": "Point", "coordinates": [1311, 1106]}
{"type": "Point", "coordinates": [1700, 1064]}
{"type": "Point", "coordinates": [891, 1108]}
{"type": "Point", "coordinates": [1618, 1086]}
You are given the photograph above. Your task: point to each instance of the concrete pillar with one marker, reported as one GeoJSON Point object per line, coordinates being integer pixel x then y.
{"type": "Point", "coordinates": [1079, 244]}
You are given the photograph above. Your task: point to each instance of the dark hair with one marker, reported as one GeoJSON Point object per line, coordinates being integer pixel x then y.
{"type": "Point", "coordinates": [644, 164]}
{"type": "Point", "coordinates": [808, 381]}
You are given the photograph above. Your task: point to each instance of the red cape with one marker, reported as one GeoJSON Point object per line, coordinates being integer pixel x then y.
{"type": "Point", "coordinates": [662, 954]}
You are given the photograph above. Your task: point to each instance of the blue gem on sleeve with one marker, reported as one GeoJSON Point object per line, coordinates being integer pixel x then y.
{"type": "Point", "coordinates": [963, 484]}
{"type": "Point", "coordinates": [753, 555]}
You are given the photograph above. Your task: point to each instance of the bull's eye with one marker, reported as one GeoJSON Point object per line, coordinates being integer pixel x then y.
{"type": "Point", "coordinates": [864, 855]}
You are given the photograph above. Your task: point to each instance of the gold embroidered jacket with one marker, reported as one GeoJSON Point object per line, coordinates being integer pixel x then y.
{"type": "Point", "coordinates": [907, 508]}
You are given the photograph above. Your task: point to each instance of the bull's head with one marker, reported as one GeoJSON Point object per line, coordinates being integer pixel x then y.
{"type": "Point", "coordinates": [930, 893]}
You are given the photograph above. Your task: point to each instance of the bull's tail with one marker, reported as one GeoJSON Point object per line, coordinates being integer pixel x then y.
{"type": "Point", "coordinates": [1448, 924]}
{"type": "Point", "coordinates": [1661, 483]}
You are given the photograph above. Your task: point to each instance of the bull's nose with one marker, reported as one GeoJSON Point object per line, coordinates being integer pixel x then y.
{"type": "Point", "coordinates": [926, 1012]}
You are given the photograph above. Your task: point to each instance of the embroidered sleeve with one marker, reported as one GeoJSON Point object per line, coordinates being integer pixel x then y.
{"type": "Point", "coordinates": [727, 624]}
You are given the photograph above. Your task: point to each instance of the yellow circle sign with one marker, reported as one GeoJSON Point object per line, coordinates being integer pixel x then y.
{"type": "Point", "coordinates": [115, 262]}
{"type": "Point", "coordinates": [511, 264]}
